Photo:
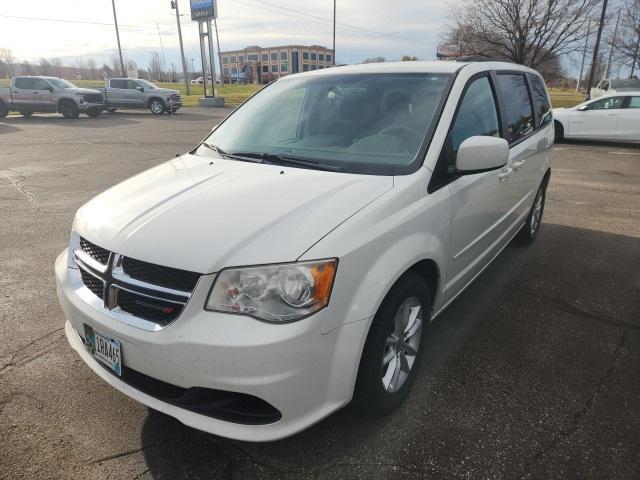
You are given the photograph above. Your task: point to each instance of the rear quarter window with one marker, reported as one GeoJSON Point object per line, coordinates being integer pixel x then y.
{"type": "Point", "coordinates": [516, 104]}
{"type": "Point", "coordinates": [541, 103]}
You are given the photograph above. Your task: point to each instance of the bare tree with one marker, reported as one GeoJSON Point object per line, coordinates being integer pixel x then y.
{"type": "Point", "coordinates": [155, 68]}
{"type": "Point", "coordinates": [8, 59]}
{"type": "Point", "coordinates": [409, 58]}
{"type": "Point", "coordinates": [92, 68]}
{"type": "Point", "coordinates": [374, 60]}
{"type": "Point", "coordinates": [25, 68]}
{"type": "Point", "coordinates": [57, 67]}
{"type": "Point", "coordinates": [45, 67]}
{"type": "Point", "coordinates": [115, 64]}
{"type": "Point", "coordinates": [628, 45]}
{"type": "Point", "coordinates": [529, 32]}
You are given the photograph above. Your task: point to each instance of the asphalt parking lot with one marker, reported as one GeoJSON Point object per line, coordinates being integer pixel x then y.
{"type": "Point", "coordinates": [534, 372]}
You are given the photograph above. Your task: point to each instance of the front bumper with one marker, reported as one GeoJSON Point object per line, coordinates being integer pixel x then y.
{"type": "Point", "coordinates": [304, 374]}
{"type": "Point", "coordinates": [86, 106]}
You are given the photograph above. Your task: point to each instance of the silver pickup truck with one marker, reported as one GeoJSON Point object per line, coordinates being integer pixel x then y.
{"type": "Point", "coordinates": [140, 93]}
{"type": "Point", "coordinates": [49, 94]}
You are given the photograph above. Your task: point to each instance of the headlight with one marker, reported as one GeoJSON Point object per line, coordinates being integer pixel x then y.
{"type": "Point", "coordinates": [274, 293]}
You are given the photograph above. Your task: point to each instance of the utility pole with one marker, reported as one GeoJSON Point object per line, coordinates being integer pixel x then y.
{"type": "Point", "coordinates": [193, 68]}
{"type": "Point", "coordinates": [594, 60]}
{"type": "Point", "coordinates": [115, 21]}
{"type": "Point", "coordinates": [164, 58]}
{"type": "Point", "coordinates": [334, 32]}
{"type": "Point", "coordinates": [607, 72]}
{"type": "Point", "coordinates": [584, 55]}
{"type": "Point", "coordinates": [635, 55]}
{"type": "Point", "coordinates": [174, 5]}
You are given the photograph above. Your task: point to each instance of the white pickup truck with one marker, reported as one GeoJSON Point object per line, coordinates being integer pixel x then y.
{"type": "Point", "coordinates": [140, 93]}
{"type": "Point", "coordinates": [49, 94]}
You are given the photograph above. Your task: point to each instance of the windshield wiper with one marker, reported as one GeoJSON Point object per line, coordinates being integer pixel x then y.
{"type": "Point", "coordinates": [233, 156]}
{"type": "Point", "coordinates": [287, 160]}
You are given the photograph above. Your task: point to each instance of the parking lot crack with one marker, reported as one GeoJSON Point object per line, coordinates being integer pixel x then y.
{"type": "Point", "coordinates": [17, 180]}
{"type": "Point", "coordinates": [570, 308]}
{"type": "Point", "coordinates": [581, 413]}
{"type": "Point", "coordinates": [19, 358]}
{"type": "Point", "coordinates": [133, 451]}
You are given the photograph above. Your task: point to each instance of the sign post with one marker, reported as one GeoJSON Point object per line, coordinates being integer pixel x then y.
{"type": "Point", "coordinates": [203, 11]}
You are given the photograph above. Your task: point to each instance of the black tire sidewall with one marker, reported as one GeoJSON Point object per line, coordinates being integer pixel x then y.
{"type": "Point", "coordinates": [370, 397]}
{"type": "Point", "coordinates": [4, 110]}
{"type": "Point", "coordinates": [525, 237]}
{"type": "Point", "coordinates": [69, 109]}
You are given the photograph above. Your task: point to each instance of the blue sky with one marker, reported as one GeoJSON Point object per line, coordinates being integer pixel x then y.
{"type": "Point", "coordinates": [365, 29]}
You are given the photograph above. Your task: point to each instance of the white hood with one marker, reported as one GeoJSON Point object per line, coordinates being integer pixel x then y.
{"type": "Point", "coordinates": [202, 214]}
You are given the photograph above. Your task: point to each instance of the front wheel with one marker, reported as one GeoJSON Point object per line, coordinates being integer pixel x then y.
{"type": "Point", "coordinates": [156, 106]}
{"type": "Point", "coordinates": [4, 110]}
{"type": "Point", "coordinates": [394, 347]}
{"type": "Point", "coordinates": [558, 132]}
{"type": "Point", "coordinates": [93, 113]}
{"type": "Point", "coordinates": [25, 113]}
{"type": "Point", "coordinates": [69, 109]}
{"type": "Point", "coordinates": [529, 231]}
{"type": "Point", "coordinates": [112, 109]}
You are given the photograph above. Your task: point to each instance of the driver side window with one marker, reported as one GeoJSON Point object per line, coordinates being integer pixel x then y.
{"type": "Point", "coordinates": [477, 114]}
{"type": "Point", "coordinates": [132, 84]}
{"type": "Point", "coordinates": [610, 103]}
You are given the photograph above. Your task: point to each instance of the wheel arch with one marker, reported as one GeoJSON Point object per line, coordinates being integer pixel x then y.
{"type": "Point", "coordinates": [63, 100]}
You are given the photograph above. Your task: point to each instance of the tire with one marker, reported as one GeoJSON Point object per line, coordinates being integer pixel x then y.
{"type": "Point", "coordinates": [383, 382]}
{"type": "Point", "coordinates": [156, 106]}
{"type": "Point", "coordinates": [93, 113]}
{"type": "Point", "coordinates": [25, 113]}
{"type": "Point", "coordinates": [529, 231]}
{"type": "Point", "coordinates": [4, 110]}
{"type": "Point", "coordinates": [112, 109]}
{"type": "Point", "coordinates": [559, 132]}
{"type": "Point", "coordinates": [69, 109]}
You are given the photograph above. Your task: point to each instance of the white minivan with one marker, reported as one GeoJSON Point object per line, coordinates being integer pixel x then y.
{"type": "Point", "coordinates": [291, 263]}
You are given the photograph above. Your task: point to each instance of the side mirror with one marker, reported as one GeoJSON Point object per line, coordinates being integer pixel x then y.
{"type": "Point", "coordinates": [49, 88]}
{"type": "Point", "coordinates": [140, 89]}
{"type": "Point", "coordinates": [582, 108]}
{"type": "Point", "coordinates": [480, 154]}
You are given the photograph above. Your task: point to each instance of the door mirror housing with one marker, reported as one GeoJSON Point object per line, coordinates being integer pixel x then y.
{"type": "Point", "coordinates": [49, 88]}
{"type": "Point", "coordinates": [582, 108]}
{"type": "Point", "coordinates": [481, 154]}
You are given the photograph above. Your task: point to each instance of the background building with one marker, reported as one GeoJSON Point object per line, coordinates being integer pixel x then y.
{"type": "Point", "coordinates": [261, 65]}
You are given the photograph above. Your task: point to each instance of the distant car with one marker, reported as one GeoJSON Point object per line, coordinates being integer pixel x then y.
{"type": "Point", "coordinates": [140, 93]}
{"type": "Point", "coordinates": [610, 86]}
{"type": "Point", "coordinates": [200, 80]}
{"type": "Point", "coordinates": [611, 118]}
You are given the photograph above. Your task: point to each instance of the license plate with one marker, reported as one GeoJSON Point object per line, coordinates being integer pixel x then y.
{"type": "Point", "coordinates": [104, 348]}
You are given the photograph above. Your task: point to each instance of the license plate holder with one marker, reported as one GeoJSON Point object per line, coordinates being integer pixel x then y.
{"type": "Point", "coordinates": [104, 348]}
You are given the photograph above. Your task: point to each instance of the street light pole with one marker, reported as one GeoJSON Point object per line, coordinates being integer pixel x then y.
{"type": "Point", "coordinates": [115, 21]}
{"type": "Point", "coordinates": [607, 72]}
{"type": "Point", "coordinates": [594, 60]}
{"type": "Point", "coordinates": [174, 4]}
{"type": "Point", "coordinates": [584, 54]}
{"type": "Point", "coordinates": [215, 24]}
{"type": "Point", "coordinates": [334, 32]}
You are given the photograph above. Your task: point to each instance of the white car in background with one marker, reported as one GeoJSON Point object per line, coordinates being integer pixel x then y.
{"type": "Point", "coordinates": [610, 118]}
{"type": "Point", "coordinates": [609, 86]}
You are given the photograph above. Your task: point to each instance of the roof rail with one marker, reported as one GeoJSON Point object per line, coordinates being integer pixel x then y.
{"type": "Point", "coordinates": [480, 58]}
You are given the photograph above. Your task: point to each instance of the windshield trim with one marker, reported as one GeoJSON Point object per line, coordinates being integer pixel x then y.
{"type": "Point", "coordinates": [372, 168]}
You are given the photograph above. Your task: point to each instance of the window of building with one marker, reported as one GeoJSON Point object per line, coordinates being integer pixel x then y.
{"type": "Point", "coordinates": [305, 68]}
{"type": "Point", "coordinates": [305, 55]}
{"type": "Point", "coordinates": [321, 57]}
{"type": "Point", "coordinates": [274, 68]}
{"type": "Point", "coordinates": [233, 59]}
{"type": "Point", "coordinates": [240, 58]}
{"type": "Point", "coordinates": [477, 114]}
{"type": "Point", "coordinates": [328, 57]}
{"type": "Point", "coordinates": [540, 100]}
{"type": "Point", "coordinates": [225, 60]}
{"type": "Point", "coordinates": [226, 71]}
{"type": "Point", "coordinates": [313, 55]}
{"type": "Point", "coordinates": [265, 57]}
{"type": "Point", "coordinates": [284, 67]}
{"type": "Point", "coordinates": [252, 57]}
{"type": "Point", "coordinates": [265, 68]}
{"type": "Point", "coordinates": [517, 105]}
{"type": "Point", "coordinates": [284, 55]}
{"type": "Point", "coordinates": [313, 67]}
{"type": "Point", "coordinates": [274, 55]}
{"type": "Point", "coordinates": [234, 70]}
{"type": "Point", "coordinates": [320, 67]}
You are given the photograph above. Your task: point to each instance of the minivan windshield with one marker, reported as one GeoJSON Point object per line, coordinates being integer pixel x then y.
{"type": "Point", "coordinates": [364, 123]}
{"type": "Point", "coordinates": [61, 83]}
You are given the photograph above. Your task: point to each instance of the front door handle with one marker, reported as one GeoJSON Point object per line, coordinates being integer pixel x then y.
{"type": "Point", "coordinates": [517, 165]}
{"type": "Point", "coordinates": [502, 176]}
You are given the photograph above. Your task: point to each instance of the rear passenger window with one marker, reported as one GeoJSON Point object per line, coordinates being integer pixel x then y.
{"type": "Point", "coordinates": [540, 100]}
{"type": "Point", "coordinates": [118, 83]}
{"type": "Point", "coordinates": [477, 114]}
{"type": "Point", "coordinates": [26, 83]}
{"type": "Point", "coordinates": [634, 103]}
{"type": "Point", "coordinates": [517, 106]}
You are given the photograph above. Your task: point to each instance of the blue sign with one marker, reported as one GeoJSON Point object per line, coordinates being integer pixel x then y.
{"type": "Point", "coordinates": [203, 9]}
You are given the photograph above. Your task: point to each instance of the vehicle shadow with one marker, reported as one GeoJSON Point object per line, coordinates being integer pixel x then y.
{"type": "Point", "coordinates": [182, 115]}
{"type": "Point", "coordinates": [103, 121]}
{"type": "Point", "coordinates": [505, 368]}
{"type": "Point", "coordinates": [7, 128]}
{"type": "Point", "coordinates": [598, 143]}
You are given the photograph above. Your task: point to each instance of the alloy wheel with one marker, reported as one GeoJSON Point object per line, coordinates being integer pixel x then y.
{"type": "Point", "coordinates": [536, 213]}
{"type": "Point", "coordinates": [402, 345]}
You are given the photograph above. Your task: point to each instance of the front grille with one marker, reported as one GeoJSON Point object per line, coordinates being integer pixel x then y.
{"type": "Point", "coordinates": [144, 290]}
{"type": "Point", "coordinates": [93, 97]}
{"type": "Point", "coordinates": [155, 310]}
{"type": "Point", "coordinates": [97, 253]}
{"type": "Point", "coordinates": [158, 275]}
{"type": "Point", "coordinates": [175, 97]}
{"type": "Point", "coordinates": [92, 283]}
